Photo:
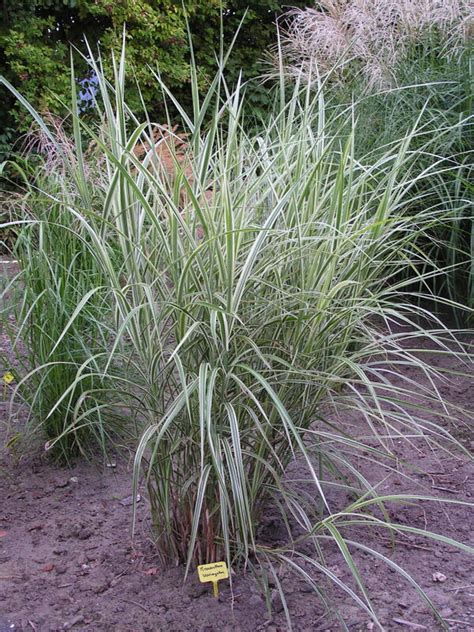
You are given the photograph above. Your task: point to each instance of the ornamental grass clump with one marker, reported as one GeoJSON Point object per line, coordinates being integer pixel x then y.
{"type": "Point", "coordinates": [257, 281]}
{"type": "Point", "coordinates": [341, 39]}
{"type": "Point", "coordinates": [56, 268]}
{"type": "Point", "coordinates": [400, 64]}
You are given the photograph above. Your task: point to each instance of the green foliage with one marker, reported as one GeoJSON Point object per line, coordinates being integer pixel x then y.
{"type": "Point", "coordinates": [435, 93]}
{"type": "Point", "coordinates": [35, 38]}
{"type": "Point", "coordinates": [56, 268]}
{"type": "Point", "coordinates": [33, 58]}
{"type": "Point", "coordinates": [404, 64]}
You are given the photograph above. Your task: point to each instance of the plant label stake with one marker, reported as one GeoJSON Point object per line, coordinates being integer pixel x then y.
{"type": "Point", "coordinates": [8, 378]}
{"type": "Point", "coordinates": [213, 573]}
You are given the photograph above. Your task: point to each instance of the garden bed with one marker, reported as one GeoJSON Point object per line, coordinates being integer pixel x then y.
{"type": "Point", "coordinates": [67, 560]}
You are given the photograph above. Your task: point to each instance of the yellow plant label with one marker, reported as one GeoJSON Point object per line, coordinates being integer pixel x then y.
{"type": "Point", "coordinates": [213, 573]}
{"type": "Point", "coordinates": [8, 377]}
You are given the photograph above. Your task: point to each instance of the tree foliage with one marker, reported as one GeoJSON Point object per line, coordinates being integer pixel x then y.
{"type": "Point", "coordinates": [35, 37]}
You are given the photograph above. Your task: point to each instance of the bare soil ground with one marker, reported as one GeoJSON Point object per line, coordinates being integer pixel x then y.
{"type": "Point", "coordinates": [67, 560]}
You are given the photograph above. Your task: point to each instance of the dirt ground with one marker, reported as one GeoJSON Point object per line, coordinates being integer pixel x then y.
{"type": "Point", "coordinates": [67, 560]}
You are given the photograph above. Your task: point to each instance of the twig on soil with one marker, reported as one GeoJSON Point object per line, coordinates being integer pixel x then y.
{"type": "Point", "coordinates": [114, 580]}
{"type": "Point", "coordinates": [444, 489]}
{"type": "Point", "coordinates": [460, 588]}
{"type": "Point", "coordinates": [409, 545]}
{"type": "Point", "coordinates": [32, 625]}
{"type": "Point", "coordinates": [135, 603]}
{"type": "Point", "coordinates": [410, 624]}
{"type": "Point", "coordinates": [425, 519]}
